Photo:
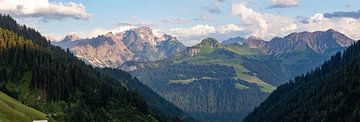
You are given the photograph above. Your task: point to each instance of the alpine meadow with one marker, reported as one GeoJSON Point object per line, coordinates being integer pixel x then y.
{"type": "Point", "coordinates": [179, 61]}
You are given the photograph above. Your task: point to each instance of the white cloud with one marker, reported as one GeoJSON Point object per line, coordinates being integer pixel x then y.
{"type": "Point", "coordinates": [99, 31]}
{"type": "Point", "coordinates": [346, 25]}
{"type": "Point", "coordinates": [198, 30]}
{"type": "Point", "coordinates": [193, 35]}
{"type": "Point", "coordinates": [262, 25]}
{"type": "Point", "coordinates": [229, 28]}
{"type": "Point", "coordinates": [252, 23]}
{"type": "Point", "coordinates": [44, 9]}
{"type": "Point", "coordinates": [283, 3]}
{"type": "Point", "coordinates": [267, 26]}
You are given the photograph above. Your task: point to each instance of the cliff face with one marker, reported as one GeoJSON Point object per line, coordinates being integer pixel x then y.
{"type": "Point", "coordinates": [112, 50]}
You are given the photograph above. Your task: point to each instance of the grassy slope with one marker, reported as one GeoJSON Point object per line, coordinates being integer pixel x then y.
{"type": "Point", "coordinates": [207, 56]}
{"type": "Point", "coordinates": [12, 110]}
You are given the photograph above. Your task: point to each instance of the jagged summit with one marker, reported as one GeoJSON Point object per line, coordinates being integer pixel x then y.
{"type": "Point", "coordinates": [113, 49]}
{"type": "Point", "coordinates": [143, 30]}
{"type": "Point", "coordinates": [71, 37]}
{"type": "Point", "coordinates": [109, 34]}
{"type": "Point", "coordinates": [209, 42]}
{"type": "Point", "coordinates": [318, 41]}
{"type": "Point", "coordinates": [235, 40]}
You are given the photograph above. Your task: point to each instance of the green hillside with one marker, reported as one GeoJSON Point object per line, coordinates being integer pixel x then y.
{"type": "Point", "coordinates": [212, 52]}
{"type": "Point", "coordinates": [213, 70]}
{"type": "Point", "coordinates": [55, 82]}
{"type": "Point", "coordinates": [234, 78]}
{"type": "Point", "coordinates": [12, 110]}
{"type": "Point", "coordinates": [328, 93]}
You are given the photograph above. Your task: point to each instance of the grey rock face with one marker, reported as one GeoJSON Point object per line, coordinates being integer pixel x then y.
{"type": "Point", "coordinates": [112, 50]}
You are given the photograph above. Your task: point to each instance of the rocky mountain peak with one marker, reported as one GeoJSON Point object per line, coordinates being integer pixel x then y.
{"type": "Point", "coordinates": [318, 41]}
{"type": "Point", "coordinates": [236, 40]}
{"type": "Point", "coordinates": [340, 38]}
{"type": "Point", "coordinates": [71, 37]}
{"type": "Point", "coordinates": [109, 34]}
{"type": "Point", "coordinates": [169, 37]}
{"type": "Point", "coordinates": [254, 38]}
{"type": "Point", "coordinates": [143, 30]}
{"type": "Point", "coordinates": [209, 42]}
{"type": "Point", "coordinates": [113, 49]}
{"type": "Point", "coordinates": [255, 42]}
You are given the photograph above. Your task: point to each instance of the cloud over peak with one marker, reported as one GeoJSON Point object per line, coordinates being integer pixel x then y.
{"type": "Point", "coordinates": [267, 26]}
{"type": "Point", "coordinates": [260, 24]}
{"type": "Point", "coordinates": [44, 9]}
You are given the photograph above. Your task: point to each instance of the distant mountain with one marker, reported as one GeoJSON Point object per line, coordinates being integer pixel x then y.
{"type": "Point", "coordinates": [111, 50]}
{"type": "Point", "coordinates": [299, 52]}
{"type": "Point", "coordinates": [55, 82]}
{"type": "Point", "coordinates": [253, 69]}
{"type": "Point", "coordinates": [252, 41]}
{"type": "Point", "coordinates": [236, 40]}
{"type": "Point", "coordinates": [327, 93]}
{"type": "Point", "coordinates": [209, 80]}
{"type": "Point", "coordinates": [318, 42]}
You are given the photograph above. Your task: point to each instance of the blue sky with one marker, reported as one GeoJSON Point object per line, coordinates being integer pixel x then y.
{"type": "Point", "coordinates": [190, 20]}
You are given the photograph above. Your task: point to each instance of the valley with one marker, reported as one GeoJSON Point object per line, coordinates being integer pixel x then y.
{"type": "Point", "coordinates": [179, 61]}
{"type": "Point", "coordinates": [213, 80]}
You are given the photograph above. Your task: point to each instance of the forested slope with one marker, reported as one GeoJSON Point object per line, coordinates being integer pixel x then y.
{"type": "Point", "coordinates": [55, 82]}
{"type": "Point", "coordinates": [330, 92]}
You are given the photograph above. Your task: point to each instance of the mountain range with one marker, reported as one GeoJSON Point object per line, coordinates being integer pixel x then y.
{"type": "Point", "coordinates": [112, 50]}
{"type": "Point", "coordinates": [328, 93]}
{"type": "Point", "coordinates": [42, 81]}
{"type": "Point", "coordinates": [211, 80]}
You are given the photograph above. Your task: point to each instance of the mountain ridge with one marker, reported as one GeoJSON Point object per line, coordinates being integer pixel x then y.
{"type": "Point", "coordinates": [113, 49]}
{"type": "Point", "coordinates": [51, 80]}
{"type": "Point", "coordinates": [326, 93]}
{"type": "Point", "coordinates": [249, 67]}
{"type": "Point", "coordinates": [318, 41]}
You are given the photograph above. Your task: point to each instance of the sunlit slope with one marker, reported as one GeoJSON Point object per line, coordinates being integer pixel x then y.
{"type": "Point", "coordinates": [12, 110]}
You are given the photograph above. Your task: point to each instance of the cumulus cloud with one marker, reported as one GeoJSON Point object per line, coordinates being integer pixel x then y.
{"type": "Point", "coordinates": [345, 25]}
{"type": "Point", "coordinates": [198, 30]}
{"type": "Point", "coordinates": [229, 28]}
{"type": "Point", "coordinates": [193, 35]}
{"type": "Point", "coordinates": [262, 25]}
{"type": "Point", "coordinates": [44, 9]}
{"type": "Point", "coordinates": [283, 3]}
{"type": "Point", "coordinates": [352, 14]}
{"type": "Point", "coordinates": [100, 31]}
{"type": "Point", "coordinates": [267, 26]}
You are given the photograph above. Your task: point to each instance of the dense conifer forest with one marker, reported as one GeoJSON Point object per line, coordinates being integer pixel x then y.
{"type": "Point", "coordinates": [330, 92]}
{"type": "Point", "coordinates": [55, 82]}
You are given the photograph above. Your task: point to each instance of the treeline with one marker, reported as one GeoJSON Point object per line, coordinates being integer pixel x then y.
{"type": "Point", "coordinates": [330, 92]}
{"type": "Point", "coordinates": [55, 82]}
{"type": "Point", "coordinates": [210, 93]}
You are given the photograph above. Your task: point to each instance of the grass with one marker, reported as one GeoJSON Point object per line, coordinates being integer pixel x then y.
{"type": "Point", "coordinates": [242, 73]}
{"type": "Point", "coordinates": [188, 81]}
{"type": "Point", "coordinates": [242, 50]}
{"type": "Point", "coordinates": [240, 86]}
{"type": "Point", "coordinates": [12, 110]}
